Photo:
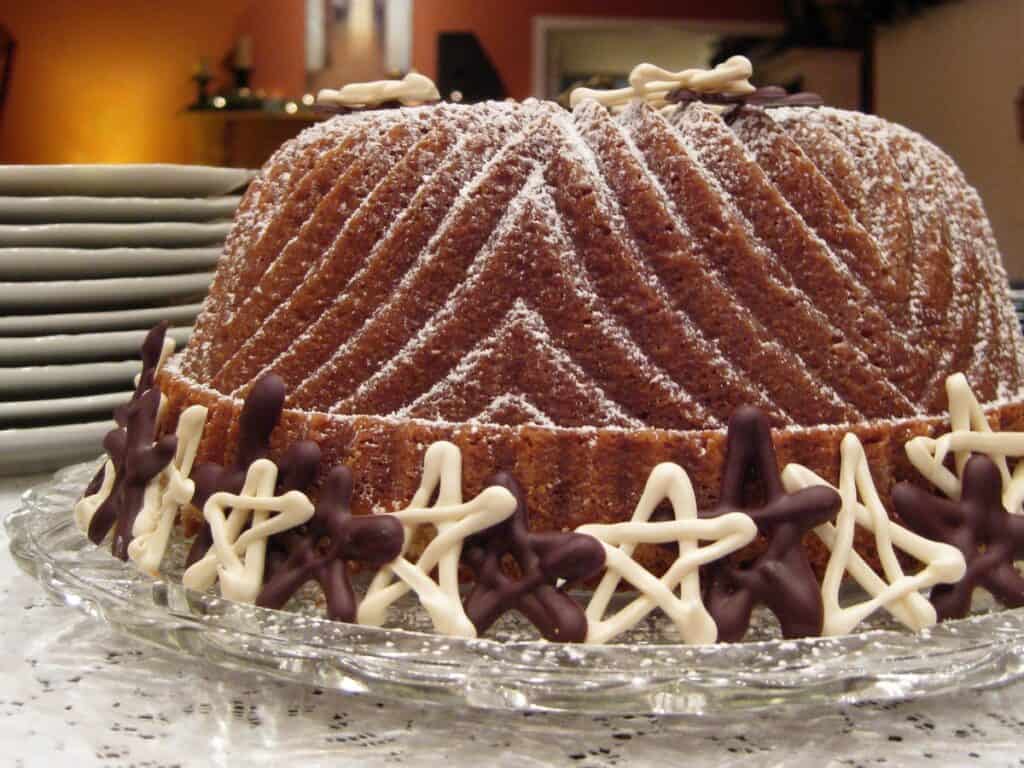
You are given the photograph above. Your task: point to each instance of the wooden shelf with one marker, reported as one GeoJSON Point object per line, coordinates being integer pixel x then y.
{"type": "Point", "coordinates": [242, 138]}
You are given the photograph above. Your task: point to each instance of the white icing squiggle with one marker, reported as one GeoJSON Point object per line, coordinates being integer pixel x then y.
{"type": "Point", "coordinates": [238, 554]}
{"type": "Point", "coordinates": [411, 90]}
{"type": "Point", "coordinates": [653, 84]}
{"type": "Point", "coordinates": [454, 521]}
{"type": "Point", "coordinates": [726, 533]}
{"type": "Point", "coordinates": [970, 433]}
{"type": "Point", "coordinates": [166, 494]}
{"type": "Point", "coordinates": [85, 508]}
{"type": "Point", "coordinates": [897, 592]}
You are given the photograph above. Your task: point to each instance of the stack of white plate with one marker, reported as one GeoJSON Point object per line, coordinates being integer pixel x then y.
{"type": "Point", "coordinates": [1017, 296]}
{"type": "Point", "coordinates": [92, 256]}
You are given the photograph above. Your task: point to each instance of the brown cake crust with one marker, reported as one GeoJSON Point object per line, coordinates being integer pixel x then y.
{"type": "Point", "coordinates": [571, 476]}
{"type": "Point", "coordinates": [576, 297]}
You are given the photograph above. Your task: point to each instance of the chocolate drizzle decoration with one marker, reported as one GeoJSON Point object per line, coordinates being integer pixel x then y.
{"type": "Point", "coordinates": [542, 559]}
{"type": "Point", "coordinates": [150, 352]}
{"type": "Point", "coordinates": [989, 537]}
{"type": "Point", "coordinates": [781, 577]}
{"type": "Point", "coordinates": [260, 414]}
{"type": "Point", "coordinates": [137, 460]}
{"type": "Point", "coordinates": [321, 550]}
{"type": "Point", "coordinates": [134, 451]}
{"type": "Point", "coordinates": [328, 110]}
{"type": "Point", "coordinates": [768, 97]}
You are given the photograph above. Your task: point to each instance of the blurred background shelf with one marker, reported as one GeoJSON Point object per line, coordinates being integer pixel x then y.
{"type": "Point", "coordinates": [240, 138]}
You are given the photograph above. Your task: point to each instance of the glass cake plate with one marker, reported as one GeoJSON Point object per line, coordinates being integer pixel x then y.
{"type": "Point", "coordinates": [649, 673]}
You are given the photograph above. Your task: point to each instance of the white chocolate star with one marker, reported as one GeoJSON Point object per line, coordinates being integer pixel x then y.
{"type": "Point", "coordinates": [454, 522]}
{"type": "Point", "coordinates": [166, 494]}
{"type": "Point", "coordinates": [653, 84]}
{"type": "Point", "coordinates": [238, 555]}
{"type": "Point", "coordinates": [411, 90]}
{"type": "Point", "coordinates": [970, 433]}
{"type": "Point", "coordinates": [727, 533]}
{"type": "Point", "coordinates": [898, 593]}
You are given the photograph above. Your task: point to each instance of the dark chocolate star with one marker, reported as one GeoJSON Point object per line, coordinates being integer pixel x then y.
{"type": "Point", "coordinates": [260, 414]}
{"type": "Point", "coordinates": [768, 97]}
{"type": "Point", "coordinates": [543, 559]}
{"type": "Point", "coordinates": [137, 459]}
{"type": "Point", "coordinates": [321, 550]}
{"type": "Point", "coordinates": [151, 349]}
{"type": "Point", "coordinates": [989, 537]}
{"type": "Point", "coordinates": [781, 577]}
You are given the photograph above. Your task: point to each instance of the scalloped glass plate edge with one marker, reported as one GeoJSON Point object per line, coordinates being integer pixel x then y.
{"type": "Point", "coordinates": [983, 650]}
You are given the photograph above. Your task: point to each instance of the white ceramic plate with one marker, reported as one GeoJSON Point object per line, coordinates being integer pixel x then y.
{"type": "Point", "coordinates": [116, 292]}
{"type": "Point", "coordinates": [122, 180]}
{"type": "Point", "coordinates": [81, 263]}
{"type": "Point", "coordinates": [86, 322]}
{"type": "Point", "coordinates": [23, 451]}
{"type": "Point", "coordinates": [41, 381]}
{"type": "Point", "coordinates": [49, 210]}
{"type": "Point", "coordinates": [62, 408]}
{"type": "Point", "coordinates": [80, 347]}
{"type": "Point", "coordinates": [164, 233]}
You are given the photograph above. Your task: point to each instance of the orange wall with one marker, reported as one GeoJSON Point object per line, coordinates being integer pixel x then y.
{"type": "Point", "coordinates": [503, 26]}
{"type": "Point", "coordinates": [106, 80]}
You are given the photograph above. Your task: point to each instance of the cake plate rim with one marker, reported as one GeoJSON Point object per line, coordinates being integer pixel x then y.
{"type": "Point", "coordinates": [711, 681]}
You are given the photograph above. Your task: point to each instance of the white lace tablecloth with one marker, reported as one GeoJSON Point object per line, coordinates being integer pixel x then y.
{"type": "Point", "coordinates": [76, 693]}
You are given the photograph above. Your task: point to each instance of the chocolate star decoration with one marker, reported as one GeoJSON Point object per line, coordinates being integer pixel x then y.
{"type": "Point", "coordinates": [151, 351]}
{"type": "Point", "coordinates": [767, 97]}
{"type": "Point", "coordinates": [781, 577]}
{"type": "Point", "coordinates": [137, 460]}
{"type": "Point", "coordinates": [989, 537]}
{"type": "Point", "coordinates": [260, 414]}
{"type": "Point", "coordinates": [321, 550]}
{"type": "Point", "coordinates": [543, 559]}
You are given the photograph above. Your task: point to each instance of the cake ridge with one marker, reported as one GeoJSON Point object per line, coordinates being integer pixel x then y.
{"type": "Point", "coordinates": [527, 319]}
{"type": "Point", "coordinates": [646, 291]}
{"type": "Point", "coordinates": [367, 283]}
{"type": "Point", "coordinates": [280, 233]}
{"type": "Point", "coordinates": [819, 205]}
{"type": "Point", "coordinates": [441, 125]}
{"type": "Point", "coordinates": [289, 276]}
{"type": "Point", "coordinates": [535, 197]}
{"type": "Point", "coordinates": [519, 155]}
{"type": "Point", "coordinates": [342, 257]}
{"type": "Point", "coordinates": [286, 168]}
{"type": "Point", "coordinates": [743, 270]}
{"type": "Point", "coordinates": [934, 285]}
{"type": "Point", "coordinates": [966, 312]}
{"type": "Point", "coordinates": [518, 401]}
{"type": "Point", "coordinates": [569, 133]}
{"type": "Point", "coordinates": [879, 205]}
{"type": "Point", "coordinates": [323, 162]}
{"type": "Point", "coordinates": [798, 258]}
{"type": "Point", "coordinates": [682, 263]}
{"type": "Point", "coordinates": [694, 286]}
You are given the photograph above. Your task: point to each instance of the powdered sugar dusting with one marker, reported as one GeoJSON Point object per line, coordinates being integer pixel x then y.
{"type": "Point", "coordinates": [893, 182]}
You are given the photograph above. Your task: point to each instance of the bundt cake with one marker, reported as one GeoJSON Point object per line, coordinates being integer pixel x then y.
{"type": "Point", "coordinates": [577, 297]}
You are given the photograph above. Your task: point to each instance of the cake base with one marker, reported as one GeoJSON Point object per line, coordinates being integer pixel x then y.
{"type": "Point", "coordinates": [571, 477]}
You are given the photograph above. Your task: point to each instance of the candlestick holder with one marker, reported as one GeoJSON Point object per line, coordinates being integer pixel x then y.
{"type": "Point", "coordinates": [202, 81]}
{"type": "Point", "coordinates": [242, 78]}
